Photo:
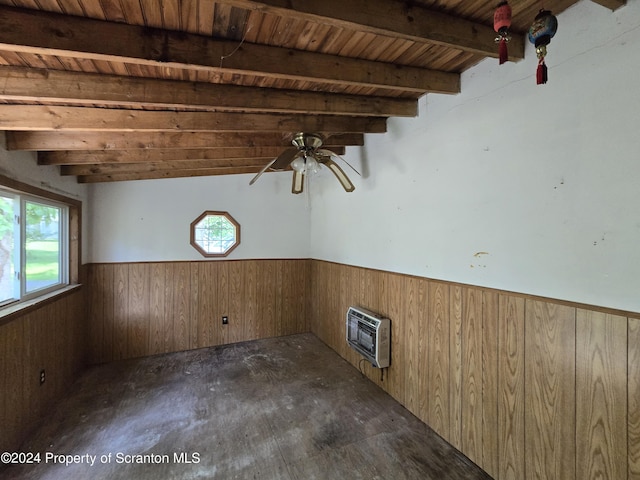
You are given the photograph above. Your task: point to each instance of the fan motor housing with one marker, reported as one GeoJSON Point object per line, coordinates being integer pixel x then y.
{"type": "Point", "coordinates": [307, 141]}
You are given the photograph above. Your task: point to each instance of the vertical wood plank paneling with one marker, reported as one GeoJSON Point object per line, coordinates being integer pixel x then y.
{"type": "Point", "coordinates": [455, 362]}
{"type": "Point", "coordinates": [397, 291]}
{"type": "Point", "coordinates": [13, 386]}
{"type": "Point", "coordinates": [511, 405]}
{"type": "Point", "coordinates": [221, 333]}
{"type": "Point", "coordinates": [601, 363]}
{"type": "Point", "coordinates": [95, 315]}
{"type": "Point", "coordinates": [550, 423]}
{"type": "Point", "coordinates": [356, 296]}
{"type": "Point", "coordinates": [376, 300]}
{"type": "Point", "coordinates": [265, 299]}
{"type": "Point", "coordinates": [36, 350]}
{"type": "Point", "coordinates": [413, 337]}
{"type": "Point", "coordinates": [472, 374]}
{"type": "Point", "coordinates": [422, 386]}
{"type": "Point", "coordinates": [157, 316]}
{"type": "Point", "coordinates": [55, 347]}
{"type": "Point", "coordinates": [6, 440]}
{"type": "Point", "coordinates": [349, 277]}
{"type": "Point", "coordinates": [490, 335]}
{"type": "Point", "coordinates": [633, 395]}
{"type": "Point", "coordinates": [235, 330]}
{"type": "Point", "coordinates": [287, 318]}
{"type": "Point", "coordinates": [138, 310]}
{"type": "Point", "coordinates": [315, 300]}
{"type": "Point", "coordinates": [120, 301]}
{"type": "Point", "coordinates": [335, 314]}
{"type": "Point", "coordinates": [201, 302]}
{"type": "Point", "coordinates": [181, 306]}
{"type": "Point", "coordinates": [194, 303]}
{"type": "Point", "coordinates": [170, 296]}
{"type": "Point", "coordinates": [42, 338]}
{"type": "Point", "coordinates": [108, 308]}
{"type": "Point", "coordinates": [301, 304]}
{"type": "Point", "coordinates": [438, 346]}
{"type": "Point", "coordinates": [281, 287]}
{"type": "Point", "coordinates": [250, 296]}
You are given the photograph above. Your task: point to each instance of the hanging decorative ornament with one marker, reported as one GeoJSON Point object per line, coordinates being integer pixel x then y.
{"type": "Point", "coordinates": [544, 27]}
{"type": "Point", "coordinates": [501, 24]}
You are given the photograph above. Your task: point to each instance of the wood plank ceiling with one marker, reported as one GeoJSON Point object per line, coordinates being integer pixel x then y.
{"type": "Point", "coordinates": [135, 89]}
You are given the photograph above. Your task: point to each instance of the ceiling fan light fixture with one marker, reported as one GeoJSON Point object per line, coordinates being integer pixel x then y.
{"type": "Point", "coordinates": [312, 164]}
{"type": "Point", "coordinates": [299, 165]}
{"type": "Point", "coordinates": [306, 158]}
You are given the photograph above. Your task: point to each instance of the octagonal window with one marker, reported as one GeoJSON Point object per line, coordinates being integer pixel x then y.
{"type": "Point", "coordinates": [215, 234]}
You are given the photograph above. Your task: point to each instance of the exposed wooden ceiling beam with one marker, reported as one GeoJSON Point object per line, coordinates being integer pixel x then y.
{"type": "Point", "coordinates": [38, 117]}
{"type": "Point", "coordinates": [152, 140]}
{"type": "Point", "coordinates": [612, 4]}
{"type": "Point", "coordinates": [391, 18]}
{"type": "Point", "coordinates": [96, 157]}
{"type": "Point", "coordinates": [67, 36]}
{"type": "Point", "coordinates": [37, 85]}
{"type": "Point", "coordinates": [119, 177]}
{"type": "Point", "coordinates": [121, 168]}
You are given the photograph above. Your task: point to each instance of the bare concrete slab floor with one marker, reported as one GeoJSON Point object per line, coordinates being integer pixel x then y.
{"type": "Point", "coordinates": [281, 408]}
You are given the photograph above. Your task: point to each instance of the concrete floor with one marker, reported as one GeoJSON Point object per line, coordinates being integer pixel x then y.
{"type": "Point", "coordinates": [281, 408]}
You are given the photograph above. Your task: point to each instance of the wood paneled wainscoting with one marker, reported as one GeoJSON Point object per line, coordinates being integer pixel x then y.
{"type": "Point", "coordinates": [139, 309]}
{"type": "Point", "coordinates": [50, 337]}
{"type": "Point", "coordinates": [527, 388]}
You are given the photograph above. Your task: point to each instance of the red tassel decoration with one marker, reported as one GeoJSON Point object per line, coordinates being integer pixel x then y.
{"type": "Point", "coordinates": [541, 73]}
{"type": "Point", "coordinates": [501, 24]}
{"type": "Point", "coordinates": [503, 54]}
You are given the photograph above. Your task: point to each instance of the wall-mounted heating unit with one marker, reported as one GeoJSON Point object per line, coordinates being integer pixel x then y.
{"type": "Point", "coordinates": [370, 335]}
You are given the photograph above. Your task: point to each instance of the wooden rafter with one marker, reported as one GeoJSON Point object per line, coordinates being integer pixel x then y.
{"type": "Point", "coordinates": [66, 36]}
{"type": "Point", "coordinates": [39, 85]}
{"type": "Point", "coordinates": [120, 177]}
{"type": "Point", "coordinates": [391, 18]}
{"type": "Point", "coordinates": [38, 117]}
{"type": "Point", "coordinates": [129, 168]}
{"type": "Point", "coordinates": [111, 157]}
{"type": "Point", "coordinates": [153, 140]}
{"type": "Point", "coordinates": [611, 4]}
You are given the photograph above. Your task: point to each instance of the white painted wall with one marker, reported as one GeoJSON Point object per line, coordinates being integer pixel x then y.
{"type": "Point", "coordinates": [149, 220]}
{"type": "Point", "coordinates": [23, 166]}
{"type": "Point", "coordinates": [544, 179]}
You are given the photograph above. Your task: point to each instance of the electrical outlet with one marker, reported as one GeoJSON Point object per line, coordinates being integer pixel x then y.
{"type": "Point", "coordinates": [42, 377]}
{"type": "Point", "coordinates": [225, 320]}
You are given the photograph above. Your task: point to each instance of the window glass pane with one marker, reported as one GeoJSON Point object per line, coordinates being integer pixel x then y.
{"type": "Point", "coordinates": [7, 245]}
{"type": "Point", "coordinates": [42, 229]}
{"type": "Point", "coordinates": [215, 234]}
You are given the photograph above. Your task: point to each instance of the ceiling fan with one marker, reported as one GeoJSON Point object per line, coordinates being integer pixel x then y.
{"type": "Point", "coordinates": [305, 157]}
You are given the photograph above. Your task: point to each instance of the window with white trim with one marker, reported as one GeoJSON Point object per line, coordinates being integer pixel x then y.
{"type": "Point", "coordinates": [34, 246]}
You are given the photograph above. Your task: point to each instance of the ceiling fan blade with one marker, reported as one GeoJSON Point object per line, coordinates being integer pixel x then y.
{"type": "Point", "coordinates": [340, 175]}
{"type": "Point", "coordinates": [285, 158]}
{"type": "Point", "coordinates": [298, 182]}
{"type": "Point", "coordinates": [253, 180]}
{"type": "Point", "coordinates": [329, 154]}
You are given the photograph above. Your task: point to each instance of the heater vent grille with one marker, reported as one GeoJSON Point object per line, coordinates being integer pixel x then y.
{"type": "Point", "coordinates": [369, 334]}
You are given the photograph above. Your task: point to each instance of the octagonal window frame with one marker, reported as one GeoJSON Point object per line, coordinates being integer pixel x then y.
{"type": "Point", "coordinates": [215, 213]}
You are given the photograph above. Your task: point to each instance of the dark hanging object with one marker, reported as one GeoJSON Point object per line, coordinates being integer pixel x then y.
{"type": "Point", "coordinates": [501, 24]}
{"type": "Point", "coordinates": [544, 27]}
